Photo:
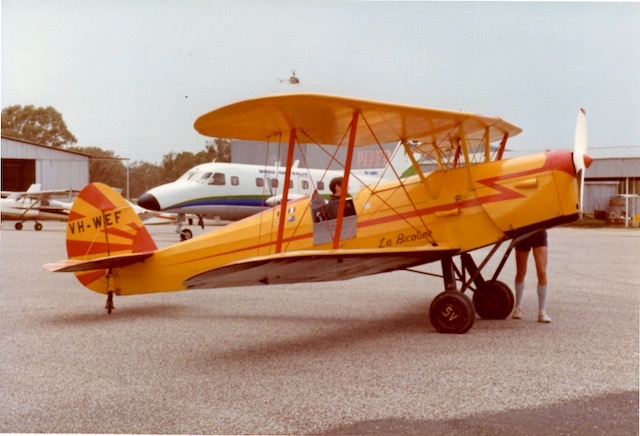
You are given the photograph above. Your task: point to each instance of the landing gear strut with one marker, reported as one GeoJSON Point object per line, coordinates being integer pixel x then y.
{"type": "Point", "coordinates": [454, 312]}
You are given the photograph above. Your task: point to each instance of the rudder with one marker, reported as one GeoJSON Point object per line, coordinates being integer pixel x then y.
{"type": "Point", "coordinates": [102, 224]}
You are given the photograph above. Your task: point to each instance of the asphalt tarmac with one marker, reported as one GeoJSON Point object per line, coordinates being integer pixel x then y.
{"type": "Point", "coordinates": [355, 357]}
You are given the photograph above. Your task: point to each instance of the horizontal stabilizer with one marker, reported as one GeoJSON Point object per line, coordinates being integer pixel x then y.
{"type": "Point", "coordinates": [316, 266]}
{"type": "Point", "coordinates": [119, 261]}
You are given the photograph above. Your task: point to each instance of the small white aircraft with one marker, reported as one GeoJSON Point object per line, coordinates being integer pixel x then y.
{"type": "Point", "coordinates": [233, 191]}
{"type": "Point", "coordinates": [36, 205]}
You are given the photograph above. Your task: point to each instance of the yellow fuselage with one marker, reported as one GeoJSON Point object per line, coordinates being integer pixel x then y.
{"type": "Point", "coordinates": [466, 208]}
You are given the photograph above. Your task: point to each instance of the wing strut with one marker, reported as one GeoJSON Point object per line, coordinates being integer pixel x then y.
{"type": "Point", "coordinates": [285, 191]}
{"type": "Point", "coordinates": [345, 178]}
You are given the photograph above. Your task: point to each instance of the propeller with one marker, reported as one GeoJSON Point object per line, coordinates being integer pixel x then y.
{"type": "Point", "coordinates": [580, 159]}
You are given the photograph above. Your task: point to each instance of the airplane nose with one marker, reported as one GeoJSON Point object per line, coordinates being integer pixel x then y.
{"type": "Point", "coordinates": [149, 201]}
{"type": "Point", "coordinates": [588, 160]}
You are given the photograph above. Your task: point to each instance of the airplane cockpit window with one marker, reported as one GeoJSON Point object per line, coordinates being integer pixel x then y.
{"type": "Point", "coordinates": [218, 179]}
{"type": "Point", "coordinates": [204, 178]}
{"type": "Point", "coordinates": [188, 175]}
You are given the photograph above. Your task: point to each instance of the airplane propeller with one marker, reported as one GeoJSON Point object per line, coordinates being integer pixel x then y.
{"type": "Point", "coordinates": [580, 159]}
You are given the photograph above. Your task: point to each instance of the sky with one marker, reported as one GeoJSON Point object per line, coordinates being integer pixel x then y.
{"type": "Point", "coordinates": [132, 76]}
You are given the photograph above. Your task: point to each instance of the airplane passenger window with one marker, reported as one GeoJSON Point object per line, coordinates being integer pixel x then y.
{"type": "Point", "coordinates": [320, 185]}
{"type": "Point", "coordinates": [218, 179]}
{"type": "Point", "coordinates": [290, 184]}
{"type": "Point", "coordinates": [259, 182]}
{"type": "Point", "coordinates": [235, 181]}
{"type": "Point", "coordinates": [304, 185]}
{"type": "Point", "coordinates": [274, 183]}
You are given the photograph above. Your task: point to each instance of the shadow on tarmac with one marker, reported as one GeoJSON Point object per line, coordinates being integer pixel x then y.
{"type": "Point", "coordinates": [602, 415]}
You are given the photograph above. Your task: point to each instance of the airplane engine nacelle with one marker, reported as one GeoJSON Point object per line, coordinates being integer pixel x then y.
{"type": "Point", "coordinates": [531, 192]}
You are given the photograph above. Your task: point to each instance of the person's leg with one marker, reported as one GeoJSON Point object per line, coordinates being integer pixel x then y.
{"type": "Point", "coordinates": [521, 271]}
{"type": "Point", "coordinates": [540, 255]}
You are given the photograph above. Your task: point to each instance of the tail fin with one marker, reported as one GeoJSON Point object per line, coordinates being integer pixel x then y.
{"type": "Point", "coordinates": [103, 231]}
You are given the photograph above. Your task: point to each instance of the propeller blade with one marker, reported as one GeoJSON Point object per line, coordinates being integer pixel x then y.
{"type": "Point", "coordinates": [580, 143]}
{"type": "Point", "coordinates": [580, 159]}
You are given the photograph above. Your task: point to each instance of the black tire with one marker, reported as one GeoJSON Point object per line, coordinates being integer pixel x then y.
{"type": "Point", "coordinates": [18, 226]}
{"type": "Point", "coordinates": [452, 312]}
{"type": "Point", "coordinates": [186, 234]}
{"type": "Point", "coordinates": [493, 300]}
{"type": "Point", "coordinates": [37, 227]}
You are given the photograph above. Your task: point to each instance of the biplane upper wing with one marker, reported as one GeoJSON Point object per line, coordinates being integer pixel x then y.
{"type": "Point", "coordinates": [324, 119]}
{"type": "Point", "coordinates": [316, 266]}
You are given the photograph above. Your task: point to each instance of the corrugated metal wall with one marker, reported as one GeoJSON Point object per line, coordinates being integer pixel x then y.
{"type": "Point", "coordinates": [54, 168]}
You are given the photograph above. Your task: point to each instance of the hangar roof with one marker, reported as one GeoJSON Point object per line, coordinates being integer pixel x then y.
{"type": "Point", "coordinates": [43, 146]}
{"type": "Point", "coordinates": [614, 167]}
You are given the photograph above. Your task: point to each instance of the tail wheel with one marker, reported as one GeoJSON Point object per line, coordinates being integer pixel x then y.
{"type": "Point", "coordinates": [493, 300]}
{"type": "Point", "coordinates": [452, 312]}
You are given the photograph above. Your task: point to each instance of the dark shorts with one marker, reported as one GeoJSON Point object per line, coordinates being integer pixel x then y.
{"type": "Point", "coordinates": [538, 239]}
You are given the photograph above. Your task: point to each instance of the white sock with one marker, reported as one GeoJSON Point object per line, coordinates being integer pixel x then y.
{"type": "Point", "coordinates": [542, 297]}
{"type": "Point", "coordinates": [519, 292]}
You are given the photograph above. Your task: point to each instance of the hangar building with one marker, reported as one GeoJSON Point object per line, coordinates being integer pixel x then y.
{"type": "Point", "coordinates": [25, 163]}
{"type": "Point", "coordinates": [612, 189]}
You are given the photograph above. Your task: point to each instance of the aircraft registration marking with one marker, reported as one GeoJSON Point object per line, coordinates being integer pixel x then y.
{"type": "Point", "coordinates": [110, 219]}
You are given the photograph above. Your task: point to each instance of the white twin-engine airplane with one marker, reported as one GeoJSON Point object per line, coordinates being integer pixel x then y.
{"type": "Point", "coordinates": [233, 191]}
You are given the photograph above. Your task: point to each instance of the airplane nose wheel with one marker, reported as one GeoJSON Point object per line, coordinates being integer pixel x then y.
{"type": "Point", "coordinates": [452, 312]}
{"type": "Point", "coordinates": [185, 234]}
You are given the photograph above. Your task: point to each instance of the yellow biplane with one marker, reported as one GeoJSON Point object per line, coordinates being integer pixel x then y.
{"type": "Point", "coordinates": [472, 199]}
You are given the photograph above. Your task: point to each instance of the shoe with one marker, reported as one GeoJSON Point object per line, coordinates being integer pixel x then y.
{"type": "Point", "coordinates": [517, 313]}
{"type": "Point", "coordinates": [543, 317]}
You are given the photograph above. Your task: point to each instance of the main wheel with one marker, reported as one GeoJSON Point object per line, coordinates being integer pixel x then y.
{"type": "Point", "coordinates": [452, 312]}
{"type": "Point", "coordinates": [37, 226]}
{"type": "Point", "coordinates": [18, 226]}
{"type": "Point", "coordinates": [186, 234]}
{"type": "Point", "coordinates": [493, 300]}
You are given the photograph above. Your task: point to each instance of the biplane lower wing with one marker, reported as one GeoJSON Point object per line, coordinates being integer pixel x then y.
{"type": "Point", "coordinates": [316, 266]}
{"type": "Point", "coordinates": [118, 261]}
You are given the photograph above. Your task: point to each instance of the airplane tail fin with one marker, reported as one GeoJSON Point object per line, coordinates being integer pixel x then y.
{"type": "Point", "coordinates": [103, 230]}
{"type": "Point", "coordinates": [35, 187]}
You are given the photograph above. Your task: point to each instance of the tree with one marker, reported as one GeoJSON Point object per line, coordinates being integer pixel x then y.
{"type": "Point", "coordinates": [40, 125]}
{"type": "Point", "coordinates": [218, 149]}
{"type": "Point", "coordinates": [176, 164]}
{"type": "Point", "coordinates": [104, 167]}
{"type": "Point", "coordinates": [144, 176]}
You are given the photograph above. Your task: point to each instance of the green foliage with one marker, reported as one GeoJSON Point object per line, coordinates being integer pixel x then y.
{"type": "Point", "coordinates": [40, 125]}
{"type": "Point", "coordinates": [176, 164]}
{"type": "Point", "coordinates": [104, 167]}
{"type": "Point", "coordinates": [144, 176]}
